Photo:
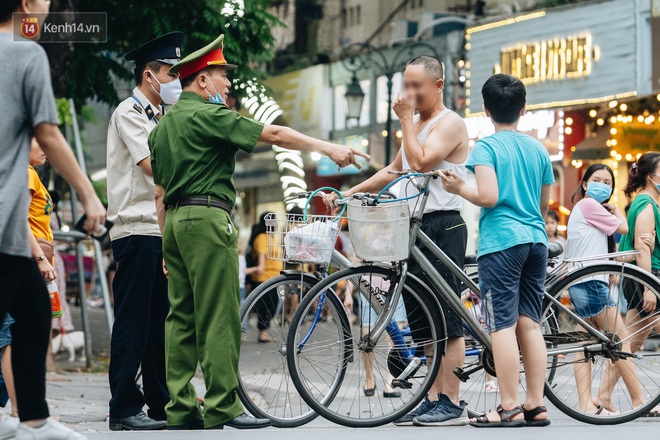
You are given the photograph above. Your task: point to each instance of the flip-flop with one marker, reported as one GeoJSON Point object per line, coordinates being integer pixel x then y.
{"type": "Point", "coordinates": [532, 413]}
{"type": "Point", "coordinates": [505, 419]}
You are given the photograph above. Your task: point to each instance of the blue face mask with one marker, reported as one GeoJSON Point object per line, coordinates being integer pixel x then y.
{"type": "Point", "coordinates": [217, 99]}
{"type": "Point", "coordinates": [657, 185]}
{"type": "Point", "coordinates": [599, 191]}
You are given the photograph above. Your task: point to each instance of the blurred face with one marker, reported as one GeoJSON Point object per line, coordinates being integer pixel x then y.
{"type": "Point", "coordinates": [550, 226]}
{"type": "Point", "coordinates": [216, 81]}
{"type": "Point", "coordinates": [422, 87]}
{"type": "Point", "coordinates": [602, 176]}
{"type": "Point", "coordinates": [37, 156]}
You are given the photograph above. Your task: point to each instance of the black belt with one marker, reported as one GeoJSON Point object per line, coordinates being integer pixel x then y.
{"type": "Point", "coordinates": [204, 201]}
{"type": "Point", "coordinates": [441, 213]}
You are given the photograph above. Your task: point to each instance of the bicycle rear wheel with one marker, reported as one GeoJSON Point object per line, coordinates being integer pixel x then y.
{"type": "Point", "coordinates": [333, 361]}
{"type": "Point", "coordinates": [265, 387]}
{"type": "Point", "coordinates": [607, 380]}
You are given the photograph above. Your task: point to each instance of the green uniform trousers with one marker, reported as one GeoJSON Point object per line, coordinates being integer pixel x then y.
{"type": "Point", "coordinates": [200, 248]}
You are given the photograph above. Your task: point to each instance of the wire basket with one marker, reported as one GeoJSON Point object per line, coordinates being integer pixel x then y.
{"type": "Point", "coordinates": [294, 238]}
{"type": "Point", "coordinates": [379, 233]}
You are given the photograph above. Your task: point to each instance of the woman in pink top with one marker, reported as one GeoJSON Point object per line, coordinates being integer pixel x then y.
{"type": "Point", "coordinates": [590, 229]}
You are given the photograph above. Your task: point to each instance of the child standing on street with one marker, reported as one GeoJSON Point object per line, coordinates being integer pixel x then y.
{"type": "Point", "coordinates": [513, 173]}
{"type": "Point", "coordinates": [590, 228]}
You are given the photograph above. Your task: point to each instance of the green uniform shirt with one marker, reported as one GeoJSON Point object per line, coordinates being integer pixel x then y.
{"type": "Point", "coordinates": [193, 149]}
{"type": "Point", "coordinates": [628, 241]}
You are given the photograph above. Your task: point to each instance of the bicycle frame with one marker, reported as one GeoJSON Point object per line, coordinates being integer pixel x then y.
{"type": "Point", "coordinates": [437, 281]}
{"type": "Point", "coordinates": [442, 287]}
{"type": "Point", "coordinates": [470, 323]}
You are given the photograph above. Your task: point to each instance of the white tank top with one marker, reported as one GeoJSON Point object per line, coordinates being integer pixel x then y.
{"type": "Point", "coordinates": [439, 199]}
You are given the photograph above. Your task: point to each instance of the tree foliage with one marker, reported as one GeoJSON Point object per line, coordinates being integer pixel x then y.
{"type": "Point", "coordinates": [82, 71]}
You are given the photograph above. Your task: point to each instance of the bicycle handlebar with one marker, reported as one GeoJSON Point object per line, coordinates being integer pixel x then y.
{"type": "Point", "coordinates": [361, 196]}
{"type": "Point", "coordinates": [432, 173]}
{"type": "Point", "coordinates": [301, 195]}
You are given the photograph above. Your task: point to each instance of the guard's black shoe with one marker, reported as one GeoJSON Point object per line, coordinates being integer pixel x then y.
{"type": "Point", "coordinates": [139, 422]}
{"type": "Point", "coordinates": [197, 424]}
{"type": "Point", "coordinates": [245, 421]}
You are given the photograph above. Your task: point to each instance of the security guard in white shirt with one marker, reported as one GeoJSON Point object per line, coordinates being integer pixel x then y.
{"type": "Point", "coordinates": [139, 286]}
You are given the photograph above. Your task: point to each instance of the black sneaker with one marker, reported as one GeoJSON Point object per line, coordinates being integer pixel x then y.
{"type": "Point", "coordinates": [422, 409]}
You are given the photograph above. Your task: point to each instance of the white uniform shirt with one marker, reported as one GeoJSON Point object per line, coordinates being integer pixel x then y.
{"type": "Point", "coordinates": [439, 199]}
{"type": "Point", "coordinates": [130, 191]}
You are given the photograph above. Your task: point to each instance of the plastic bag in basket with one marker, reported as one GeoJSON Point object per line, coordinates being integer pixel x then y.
{"type": "Point", "coordinates": [312, 243]}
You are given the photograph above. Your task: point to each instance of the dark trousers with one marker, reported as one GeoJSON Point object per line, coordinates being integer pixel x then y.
{"type": "Point", "coordinates": [24, 295]}
{"type": "Point", "coordinates": [138, 334]}
{"type": "Point", "coordinates": [266, 307]}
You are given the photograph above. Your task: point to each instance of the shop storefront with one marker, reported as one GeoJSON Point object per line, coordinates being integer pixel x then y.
{"type": "Point", "coordinates": [588, 71]}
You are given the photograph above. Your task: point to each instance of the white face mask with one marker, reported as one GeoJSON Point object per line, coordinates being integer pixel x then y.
{"type": "Point", "coordinates": [169, 92]}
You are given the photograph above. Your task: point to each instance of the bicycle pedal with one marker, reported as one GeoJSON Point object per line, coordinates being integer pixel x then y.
{"type": "Point", "coordinates": [404, 384]}
{"type": "Point", "coordinates": [461, 374]}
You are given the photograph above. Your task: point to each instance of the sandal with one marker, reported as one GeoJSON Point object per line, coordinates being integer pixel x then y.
{"type": "Point", "coordinates": [530, 416]}
{"type": "Point", "coordinates": [505, 419]}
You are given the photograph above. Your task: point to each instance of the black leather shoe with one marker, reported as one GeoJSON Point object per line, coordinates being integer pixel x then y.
{"type": "Point", "coordinates": [245, 421]}
{"type": "Point", "coordinates": [139, 422]}
{"type": "Point", "coordinates": [197, 424]}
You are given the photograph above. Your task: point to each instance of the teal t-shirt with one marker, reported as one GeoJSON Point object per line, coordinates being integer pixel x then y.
{"type": "Point", "coordinates": [628, 240]}
{"type": "Point", "coordinates": [523, 166]}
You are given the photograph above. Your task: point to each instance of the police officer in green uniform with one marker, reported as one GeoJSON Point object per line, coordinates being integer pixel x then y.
{"type": "Point", "coordinates": [193, 155]}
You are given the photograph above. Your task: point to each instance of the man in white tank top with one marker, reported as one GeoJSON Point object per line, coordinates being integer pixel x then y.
{"type": "Point", "coordinates": [434, 138]}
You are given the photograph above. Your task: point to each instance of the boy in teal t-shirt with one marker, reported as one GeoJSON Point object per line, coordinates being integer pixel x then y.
{"type": "Point", "coordinates": [514, 174]}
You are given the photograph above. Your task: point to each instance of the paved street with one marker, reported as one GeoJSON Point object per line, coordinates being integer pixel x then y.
{"type": "Point", "coordinates": [80, 400]}
{"type": "Point", "coordinates": [391, 432]}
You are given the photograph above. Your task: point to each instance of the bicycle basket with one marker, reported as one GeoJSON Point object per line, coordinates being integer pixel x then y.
{"type": "Point", "coordinates": [296, 239]}
{"type": "Point", "coordinates": [379, 233]}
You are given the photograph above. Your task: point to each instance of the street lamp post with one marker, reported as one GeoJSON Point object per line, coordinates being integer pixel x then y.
{"type": "Point", "coordinates": [354, 97]}
{"type": "Point", "coordinates": [364, 56]}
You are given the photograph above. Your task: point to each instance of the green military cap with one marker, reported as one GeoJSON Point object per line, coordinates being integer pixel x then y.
{"type": "Point", "coordinates": [209, 55]}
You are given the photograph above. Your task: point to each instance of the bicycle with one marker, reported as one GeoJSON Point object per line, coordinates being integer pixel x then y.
{"type": "Point", "coordinates": [324, 362]}
{"type": "Point", "coordinates": [265, 388]}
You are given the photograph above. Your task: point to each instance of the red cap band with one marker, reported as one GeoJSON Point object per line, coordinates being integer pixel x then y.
{"type": "Point", "coordinates": [215, 57]}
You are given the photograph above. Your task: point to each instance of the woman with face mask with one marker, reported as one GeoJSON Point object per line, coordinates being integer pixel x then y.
{"type": "Point", "coordinates": [590, 227]}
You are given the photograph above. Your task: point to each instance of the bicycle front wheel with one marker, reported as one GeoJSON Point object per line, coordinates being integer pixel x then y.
{"type": "Point", "coordinates": [608, 378]}
{"type": "Point", "coordinates": [345, 375]}
{"type": "Point", "coordinates": [265, 387]}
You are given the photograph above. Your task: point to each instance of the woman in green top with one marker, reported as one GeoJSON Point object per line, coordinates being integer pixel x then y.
{"type": "Point", "coordinates": [643, 218]}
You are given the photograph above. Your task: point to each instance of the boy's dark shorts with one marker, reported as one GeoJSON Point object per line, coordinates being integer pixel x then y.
{"type": "Point", "coordinates": [512, 284]}
{"type": "Point", "coordinates": [448, 231]}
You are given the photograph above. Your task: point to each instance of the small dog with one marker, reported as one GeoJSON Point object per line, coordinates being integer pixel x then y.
{"type": "Point", "coordinates": [71, 342]}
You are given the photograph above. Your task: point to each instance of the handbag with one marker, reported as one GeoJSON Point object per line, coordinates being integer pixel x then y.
{"type": "Point", "coordinates": [47, 248]}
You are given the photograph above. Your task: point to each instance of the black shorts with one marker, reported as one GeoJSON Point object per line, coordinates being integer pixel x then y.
{"type": "Point", "coordinates": [634, 294]}
{"type": "Point", "coordinates": [449, 231]}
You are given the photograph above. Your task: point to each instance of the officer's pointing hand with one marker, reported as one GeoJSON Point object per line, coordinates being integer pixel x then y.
{"type": "Point", "coordinates": [344, 156]}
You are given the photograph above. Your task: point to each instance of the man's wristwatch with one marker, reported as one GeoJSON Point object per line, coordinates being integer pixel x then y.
{"type": "Point", "coordinates": [41, 256]}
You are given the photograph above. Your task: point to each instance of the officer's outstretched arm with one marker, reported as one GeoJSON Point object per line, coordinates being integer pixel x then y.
{"type": "Point", "coordinates": [288, 138]}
